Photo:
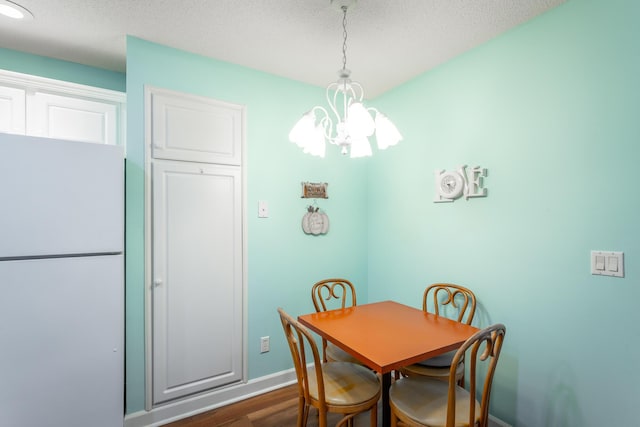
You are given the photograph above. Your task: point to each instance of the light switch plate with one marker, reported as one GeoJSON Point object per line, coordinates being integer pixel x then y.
{"type": "Point", "coordinates": [263, 209]}
{"type": "Point", "coordinates": [607, 263]}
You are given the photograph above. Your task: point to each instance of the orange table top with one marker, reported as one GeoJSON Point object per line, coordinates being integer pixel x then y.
{"type": "Point", "coordinates": [388, 335]}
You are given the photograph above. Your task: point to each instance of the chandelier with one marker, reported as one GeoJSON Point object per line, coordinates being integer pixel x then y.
{"type": "Point", "coordinates": [351, 123]}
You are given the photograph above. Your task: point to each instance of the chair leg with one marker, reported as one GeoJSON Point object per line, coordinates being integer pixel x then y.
{"type": "Point", "coordinates": [374, 416]}
{"type": "Point", "coordinates": [322, 418]}
{"type": "Point", "coordinates": [303, 413]}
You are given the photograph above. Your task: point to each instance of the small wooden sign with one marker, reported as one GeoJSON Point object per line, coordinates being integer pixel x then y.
{"type": "Point", "coordinates": [314, 190]}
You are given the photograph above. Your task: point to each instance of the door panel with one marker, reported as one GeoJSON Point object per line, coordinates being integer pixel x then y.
{"type": "Point", "coordinates": [192, 128]}
{"type": "Point", "coordinates": [197, 278]}
{"type": "Point", "coordinates": [74, 119]}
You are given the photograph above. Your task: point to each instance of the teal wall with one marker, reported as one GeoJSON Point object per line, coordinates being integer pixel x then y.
{"type": "Point", "coordinates": [283, 262]}
{"type": "Point", "coordinates": [21, 62]}
{"type": "Point", "coordinates": [552, 109]}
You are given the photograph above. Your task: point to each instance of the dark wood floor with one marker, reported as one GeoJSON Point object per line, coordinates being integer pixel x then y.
{"type": "Point", "coordinates": [274, 409]}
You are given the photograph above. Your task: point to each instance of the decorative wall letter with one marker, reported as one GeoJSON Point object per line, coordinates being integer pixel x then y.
{"type": "Point", "coordinates": [451, 185]}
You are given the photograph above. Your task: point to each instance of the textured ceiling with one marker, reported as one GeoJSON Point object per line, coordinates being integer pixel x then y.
{"type": "Point", "coordinates": [389, 42]}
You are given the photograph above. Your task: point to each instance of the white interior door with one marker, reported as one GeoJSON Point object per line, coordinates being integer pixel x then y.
{"type": "Point", "coordinates": [197, 278]}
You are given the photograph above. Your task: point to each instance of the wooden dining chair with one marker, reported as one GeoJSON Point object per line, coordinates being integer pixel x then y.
{"type": "Point", "coordinates": [419, 401]}
{"type": "Point", "coordinates": [338, 387]}
{"type": "Point", "coordinates": [452, 301]}
{"type": "Point", "coordinates": [331, 294]}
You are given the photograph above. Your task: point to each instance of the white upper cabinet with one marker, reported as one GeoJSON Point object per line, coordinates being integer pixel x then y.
{"type": "Point", "coordinates": [74, 119]}
{"type": "Point", "coordinates": [193, 128]}
{"type": "Point", "coordinates": [36, 106]}
{"type": "Point", "coordinates": [12, 110]}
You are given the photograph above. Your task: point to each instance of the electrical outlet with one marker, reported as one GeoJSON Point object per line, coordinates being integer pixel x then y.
{"type": "Point", "coordinates": [264, 344]}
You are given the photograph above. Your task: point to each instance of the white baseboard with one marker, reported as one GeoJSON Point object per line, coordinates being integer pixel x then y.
{"type": "Point", "coordinates": [205, 402]}
{"type": "Point", "coordinates": [496, 422]}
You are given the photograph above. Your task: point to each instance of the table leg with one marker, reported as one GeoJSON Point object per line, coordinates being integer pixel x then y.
{"type": "Point", "coordinates": [386, 409]}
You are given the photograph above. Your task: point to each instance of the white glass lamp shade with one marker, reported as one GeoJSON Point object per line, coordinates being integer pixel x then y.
{"type": "Point", "coordinates": [386, 132]}
{"type": "Point", "coordinates": [316, 144]}
{"type": "Point", "coordinates": [360, 147]}
{"type": "Point", "coordinates": [359, 122]}
{"type": "Point", "coordinates": [309, 136]}
{"type": "Point", "coordinates": [303, 130]}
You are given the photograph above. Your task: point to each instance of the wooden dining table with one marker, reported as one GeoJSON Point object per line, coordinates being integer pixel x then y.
{"type": "Point", "coordinates": [386, 336]}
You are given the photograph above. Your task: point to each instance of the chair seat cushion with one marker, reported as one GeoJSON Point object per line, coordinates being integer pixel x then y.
{"type": "Point", "coordinates": [429, 371]}
{"type": "Point", "coordinates": [425, 400]}
{"type": "Point", "coordinates": [336, 354]}
{"type": "Point", "coordinates": [345, 383]}
{"type": "Point", "coordinates": [440, 361]}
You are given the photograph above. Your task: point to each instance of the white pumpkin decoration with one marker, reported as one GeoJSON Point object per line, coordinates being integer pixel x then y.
{"type": "Point", "coordinates": [315, 222]}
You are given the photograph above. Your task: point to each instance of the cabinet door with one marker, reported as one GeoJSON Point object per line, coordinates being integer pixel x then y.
{"type": "Point", "coordinates": [12, 110]}
{"type": "Point", "coordinates": [197, 278]}
{"type": "Point", "coordinates": [74, 119]}
{"type": "Point", "coordinates": [192, 128]}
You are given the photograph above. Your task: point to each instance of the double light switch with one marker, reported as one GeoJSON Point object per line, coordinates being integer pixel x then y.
{"type": "Point", "coordinates": [606, 263]}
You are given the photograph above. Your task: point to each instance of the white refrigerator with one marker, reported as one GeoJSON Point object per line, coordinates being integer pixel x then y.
{"type": "Point", "coordinates": [61, 283]}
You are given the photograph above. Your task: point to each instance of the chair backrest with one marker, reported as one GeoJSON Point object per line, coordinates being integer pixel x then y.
{"type": "Point", "coordinates": [333, 293]}
{"type": "Point", "coordinates": [480, 353]}
{"type": "Point", "coordinates": [449, 300]}
{"type": "Point", "coordinates": [303, 351]}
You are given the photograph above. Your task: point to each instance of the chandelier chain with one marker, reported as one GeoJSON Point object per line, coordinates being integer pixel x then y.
{"type": "Point", "coordinates": [344, 37]}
